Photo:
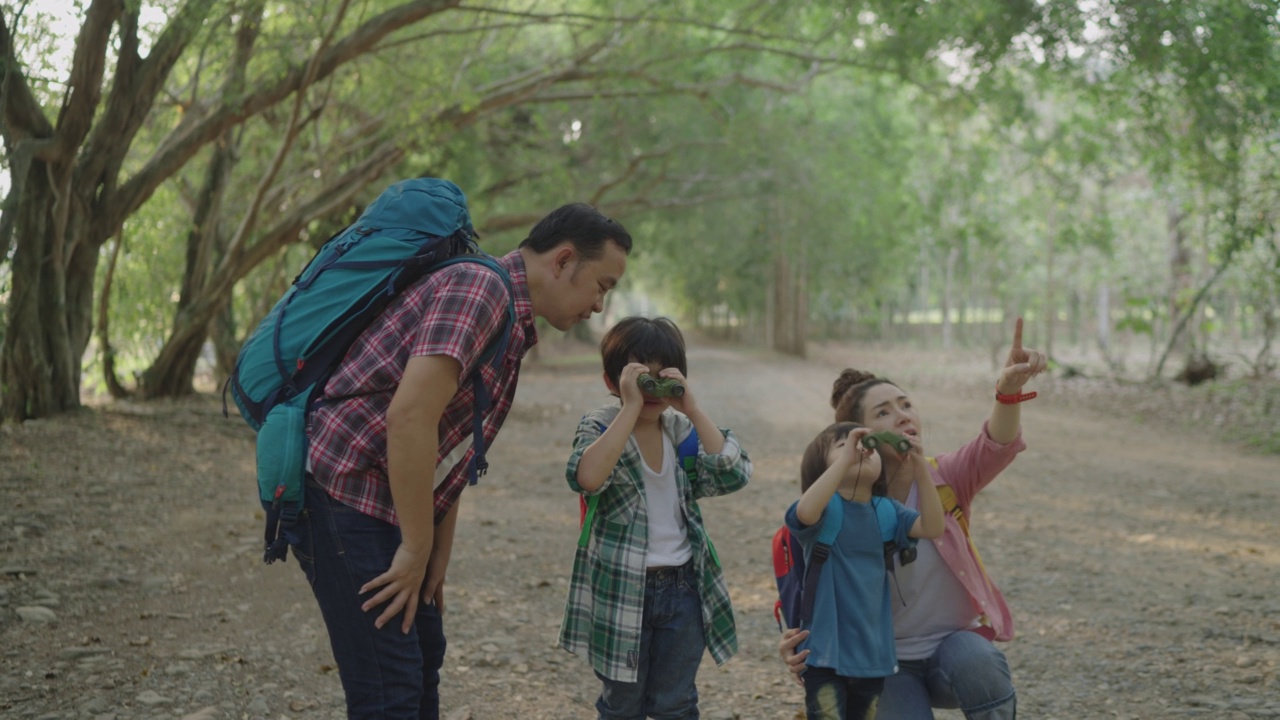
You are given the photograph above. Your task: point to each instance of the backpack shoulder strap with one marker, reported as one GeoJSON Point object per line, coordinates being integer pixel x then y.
{"type": "Point", "coordinates": [497, 346]}
{"type": "Point", "coordinates": [831, 521]}
{"type": "Point", "coordinates": [887, 518]}
{"type": "Point", "coordinates": [687, 455]}
{"type": "Point", "coordinates": [494, 353]}
{"type": "Point", "coordinates": [687, 459]}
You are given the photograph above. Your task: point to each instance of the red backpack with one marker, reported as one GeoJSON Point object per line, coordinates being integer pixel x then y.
{"type": "Point", "coordinates": [796, 583]}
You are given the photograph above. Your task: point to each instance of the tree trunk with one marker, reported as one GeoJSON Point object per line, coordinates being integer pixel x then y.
{"type": "Point", "coordinates": [1192, 306]}
{"type": "Point", "coordinates": [1104, 320]}
{"type": "Point", "coordinates": [800, 316]}
{"type": "Point", "coordinates": [226, 346]}
{"type": "Point", "coordinates": [922, 295]}
{"type": "Point", "coordinates": [1075, 316]}
{"type": "Point", "coordinates": [1180, 275]}
{"type": "Point", "coordinates": [114, 387]}
{"type": "Point", "coordinates": [1051, 296]}
{"type": "Point", "coordinates": [789, 326]}
{"type": "Point", "coordinates": [40, 370]}
{"type": "Point", "coordinates": [172, 372]}
{"type": "Point", "coordinates": [1262, 363]}
{"type": "Point", "coordinates": [948, 287]}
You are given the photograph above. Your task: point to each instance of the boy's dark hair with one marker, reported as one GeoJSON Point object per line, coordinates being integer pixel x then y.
{"type": "Point", "coordinates": [580, 224]}
{"type": "Point", "coordinates": [814, 462]}
{"type": "Point", "coordinates": [642, 340]}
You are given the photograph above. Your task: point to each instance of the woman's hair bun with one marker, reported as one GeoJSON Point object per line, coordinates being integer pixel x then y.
{"type": "Point", "coordinates": [849, 378]}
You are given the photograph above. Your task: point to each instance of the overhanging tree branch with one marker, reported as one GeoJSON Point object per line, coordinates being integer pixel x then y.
{"type": "Point", "coordinates": [655, 19]}
{"type": "Point", "coordinates": [135, 86]}
{"type": "Point", "coordinates": [250, 218]}
{"type": "Point", "coordinates": [190, 137]}
{"type": "Point", "coordinates": [21, 112]}
{"type": "Point", "coordinates": [686, 194]}
{"type": "Point", "coordinates": [335, 194]}
{"type": "Point", "coordinates": [88, 64]}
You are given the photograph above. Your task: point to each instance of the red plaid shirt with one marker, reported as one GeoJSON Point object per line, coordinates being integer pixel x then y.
{"type": "Point", "coordinates": [455, 311]}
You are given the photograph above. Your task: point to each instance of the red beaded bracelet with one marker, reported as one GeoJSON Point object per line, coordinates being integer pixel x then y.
{"type": "Point", "coordinates": [1013, 399]}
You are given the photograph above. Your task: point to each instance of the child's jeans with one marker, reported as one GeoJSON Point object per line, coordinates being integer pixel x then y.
{"type": "Point", "coordinates": [671, 647]}
{"type": "Point", "coordinates": [828, 696]}
{"type": "Point", "coordinates": [385, 673]}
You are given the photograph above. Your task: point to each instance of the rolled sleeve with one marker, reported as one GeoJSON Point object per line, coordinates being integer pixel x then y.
{"type": "Point", "coordinates": [973, 466]}
{"type": "Point", "coordinates": [466, 312]}
{"type": "Point", "coordinates": [906, 519]}
{"type": "Point", "coordinates": [724, 472]}
{"type": "Point", "coordinates": [806, 535]}
{"type": "Point", "coordinates": [727, 457]}
{"type": "Point", "coordinates": [588, 432]}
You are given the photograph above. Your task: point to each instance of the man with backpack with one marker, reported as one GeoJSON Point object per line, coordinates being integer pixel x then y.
{"type": "Point", "coordinates": [387, 449]}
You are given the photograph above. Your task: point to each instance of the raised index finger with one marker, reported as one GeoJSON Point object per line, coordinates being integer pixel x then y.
{"type": "Point", "coordinates": [1017, 334]}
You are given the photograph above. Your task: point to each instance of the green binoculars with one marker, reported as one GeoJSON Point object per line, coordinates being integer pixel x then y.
{"type": "Point", "coordinates": [892, 439]}
{"type": "Point", "coordinates": [660, 387]}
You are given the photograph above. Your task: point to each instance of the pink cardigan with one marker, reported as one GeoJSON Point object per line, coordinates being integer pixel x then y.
{"type": "Point", "coordinates": [959, 476]}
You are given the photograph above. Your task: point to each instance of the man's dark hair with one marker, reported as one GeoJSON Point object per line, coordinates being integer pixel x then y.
{"type": "Point", "coordinates": [580, 224]}
{"type": "Point", "coordinates": [642, 340]}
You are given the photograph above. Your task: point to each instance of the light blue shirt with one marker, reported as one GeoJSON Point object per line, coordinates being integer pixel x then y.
{"type": "Point", "coordinates": [852, 627]}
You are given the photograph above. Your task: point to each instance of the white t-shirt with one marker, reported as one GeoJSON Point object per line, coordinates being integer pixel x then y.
{"type": "Point", "coordinates": [936, 603]}
{"type": "Point", "coordinates": [668, 539]}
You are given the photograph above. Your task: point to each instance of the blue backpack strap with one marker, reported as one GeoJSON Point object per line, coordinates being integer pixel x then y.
{"type": "Point", "coordinates": [687, 455]}
{"type": "Point", "coordinates": [887, 517]}
{"type": "Point", "coordinates": [495, 353]}
{"type": "Point", "coordinates": [687, 459]}
{"type": "Point", "coordinates": [832, 520]}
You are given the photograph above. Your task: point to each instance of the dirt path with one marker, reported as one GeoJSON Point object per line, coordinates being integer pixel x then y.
{"type": "Point", "coordinates": [1141, 562]}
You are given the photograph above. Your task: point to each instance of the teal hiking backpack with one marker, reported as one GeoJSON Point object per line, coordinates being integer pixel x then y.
{"type": "Point", "coordinates": [414, 227]}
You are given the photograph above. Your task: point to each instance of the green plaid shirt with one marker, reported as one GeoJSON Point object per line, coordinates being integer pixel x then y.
{"type": "Point", "coordinates": [604, 616]}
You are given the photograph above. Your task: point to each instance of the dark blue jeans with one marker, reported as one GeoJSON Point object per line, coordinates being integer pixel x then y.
{"type": "Point", "coordinates": [385, 673]}
{"type": "Point", "coordinates": [828, 696]}
{"type": "Point", "coordinates": [671, 647]}
{"type": "Point", "coordinates": [966, 671]}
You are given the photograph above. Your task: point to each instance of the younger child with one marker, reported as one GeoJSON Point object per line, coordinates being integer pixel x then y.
{"type": "Point", "coordinates": [647, 594]}
{"type": "Point", "coordinates": [851, 632]}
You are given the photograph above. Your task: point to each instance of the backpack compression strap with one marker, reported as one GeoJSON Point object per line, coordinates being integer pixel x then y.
{"type": "Point", "coordinates": [831, 522]}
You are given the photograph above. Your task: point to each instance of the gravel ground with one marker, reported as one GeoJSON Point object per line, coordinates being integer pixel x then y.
{"type": "Point", "coordinates": [1139, 555]}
